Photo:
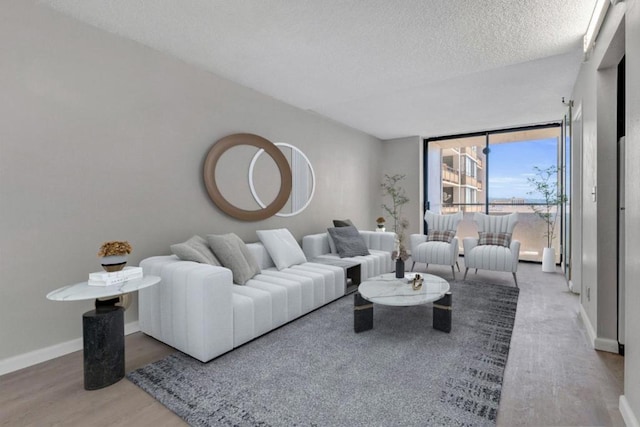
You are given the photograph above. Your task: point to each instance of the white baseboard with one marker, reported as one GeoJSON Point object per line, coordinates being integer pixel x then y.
{"type": "Point", "coordinates": [587, 323]}
{"type": "Point", "coordinates": [31, 358]}
{"type": "Point", "coordinates": [602, 344]}
{"type": "Point", "coordinates": [606, 344]}
{"type": "Point", "coordinates": [574, 287]}
{"type": "Point", "coordinates": [628, 416]}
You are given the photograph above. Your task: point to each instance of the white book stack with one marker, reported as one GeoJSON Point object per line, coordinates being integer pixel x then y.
{"type": "Point", "coordinates": [104, 278]}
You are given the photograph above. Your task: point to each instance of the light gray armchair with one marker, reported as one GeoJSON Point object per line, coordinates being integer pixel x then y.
{"type": "Point", "coordinates": [439, 245]}
{"type": "Point", "coordinates": [494, 249]}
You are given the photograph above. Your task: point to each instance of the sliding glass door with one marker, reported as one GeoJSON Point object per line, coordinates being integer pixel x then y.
{"type": "Point", "coordinates": [491, 172]}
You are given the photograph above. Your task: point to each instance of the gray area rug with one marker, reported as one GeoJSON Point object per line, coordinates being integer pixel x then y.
{"type": "Point", "coordinates": [317, 371]}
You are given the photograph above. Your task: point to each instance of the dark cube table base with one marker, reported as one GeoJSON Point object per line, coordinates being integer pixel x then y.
{"type": "Point", "coordinates": [363, 313]}
{"type": "Point", "coordinates": [103, 338]}
{"type": "Point", "coordinates": [442, 313]}
{"type": "Point", "coordinates": [353, 278]}
{"type": "Point", "coordinates": [352, 271]}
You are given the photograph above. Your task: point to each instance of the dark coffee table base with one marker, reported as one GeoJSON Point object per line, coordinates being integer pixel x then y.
{"type": "Point", "coordinates": [103, 338]}
{"type": "Point", "coordinates": [363, 313]}
{"type": "Point", "coordinates": [442, 313]}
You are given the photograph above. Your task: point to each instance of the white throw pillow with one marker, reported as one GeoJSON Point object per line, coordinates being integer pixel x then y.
{"type": "Point", "coordinates": [282, 247]}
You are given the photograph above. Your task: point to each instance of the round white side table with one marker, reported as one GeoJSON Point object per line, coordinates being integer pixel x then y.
{"type": "Point", "coordinates": [102, 328]}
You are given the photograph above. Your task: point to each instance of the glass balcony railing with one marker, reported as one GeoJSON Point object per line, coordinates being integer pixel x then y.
{"type": "Point", "coordinates": [449, 208]}
{"type": "Point", "coordinates": [530, 230]}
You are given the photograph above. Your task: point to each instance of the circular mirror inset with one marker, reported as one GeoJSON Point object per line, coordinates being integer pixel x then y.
{"type": "Point", "coordinates": [303, 184]}
{"type": "Point", "coordinates": [228, 142]}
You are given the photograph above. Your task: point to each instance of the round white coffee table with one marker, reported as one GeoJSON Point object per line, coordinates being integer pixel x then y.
{"type": "Point", "coordinates": [386, 289]}
{"type": "Point", "coordinates": [102, 328]}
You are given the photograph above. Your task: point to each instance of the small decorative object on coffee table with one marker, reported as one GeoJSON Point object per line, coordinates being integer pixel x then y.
{"type": "Point", "coordinates": [399, 268]}
{"type": "Point", "coordinates": [113, 255]}
{"type": "Point", "coordinates": [400, 255]}
{"type": "Point", "coordinates": [416, 282]}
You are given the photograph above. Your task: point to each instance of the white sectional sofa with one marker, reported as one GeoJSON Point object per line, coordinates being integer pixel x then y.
{"type": "Point", "coordinates": [197, 308]}
{"type": "Point", "coordinates": [380, 244]}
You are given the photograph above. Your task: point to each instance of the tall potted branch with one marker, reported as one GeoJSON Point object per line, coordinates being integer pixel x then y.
{"type": "Point", "coordinates": [392, 188]}
{"type": "Point", "coordinates": [545, 183]}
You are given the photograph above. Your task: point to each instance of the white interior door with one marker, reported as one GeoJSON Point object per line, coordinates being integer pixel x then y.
{"type": "Point", "coordinates": [577, 200]}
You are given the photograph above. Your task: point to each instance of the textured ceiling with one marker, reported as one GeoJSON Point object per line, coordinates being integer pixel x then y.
{"type": "Point", "coordinates": [391, 68]}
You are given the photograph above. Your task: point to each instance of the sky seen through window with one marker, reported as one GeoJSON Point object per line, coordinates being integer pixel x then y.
{"type": "Point", "coordinates": [510, 164]}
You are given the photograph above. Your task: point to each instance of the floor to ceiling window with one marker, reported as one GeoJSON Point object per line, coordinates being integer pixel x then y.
{"type": "Point", "coordinates": [491, 172]}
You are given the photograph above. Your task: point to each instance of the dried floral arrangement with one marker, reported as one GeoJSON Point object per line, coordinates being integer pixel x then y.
{"type": "Point", "coordinates": [400, 252]}
{"type": "Point", "coordinates": [115, 247]}
{"type": "Point", "coordinates": [380, 220]}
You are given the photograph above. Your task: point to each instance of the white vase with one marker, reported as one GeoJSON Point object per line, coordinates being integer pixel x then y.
{"type": "Point", "coordinates": [549, 260]}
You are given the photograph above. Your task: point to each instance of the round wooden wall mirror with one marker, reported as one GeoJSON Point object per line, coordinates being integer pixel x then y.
{"type": "Point", "coordinates": [228, 142]}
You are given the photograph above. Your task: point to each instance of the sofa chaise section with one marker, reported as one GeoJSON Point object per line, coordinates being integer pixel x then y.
{"type": "Point", "coordinates": [197, 308]}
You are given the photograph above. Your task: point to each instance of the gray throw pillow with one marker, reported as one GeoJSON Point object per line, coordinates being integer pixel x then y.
{"type": "Point", "coordinates": [348, 241]}
{"type": "Point", "coordinates": [338, 223]}
{"type": "Point", "coordinates": [234, 255]}
{"type": "Point", "coordinates": [342, 223]}
{"type": "Point", "coordinates": [195, 249]}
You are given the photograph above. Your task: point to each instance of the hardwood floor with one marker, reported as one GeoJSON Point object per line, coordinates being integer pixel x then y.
{"type": "Point", "coordinates": [52, 393]}
{"type": "Point", "coordinates": [553, 377]}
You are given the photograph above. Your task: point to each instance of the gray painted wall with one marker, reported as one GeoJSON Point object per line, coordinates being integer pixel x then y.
{"type": "Point", "coordinates": [402, 156]}
{"type": "Point", "coordinates": [593, 90]}
{"type": "Point", "coordinates": [595, 94]}
{"type": "Point", "coordinates": [102, 139]}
